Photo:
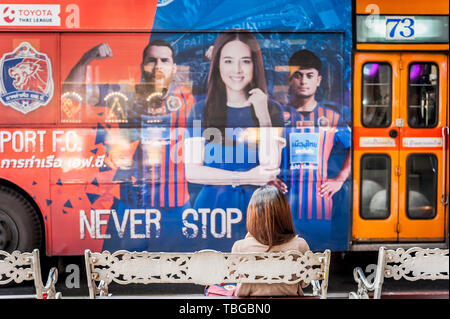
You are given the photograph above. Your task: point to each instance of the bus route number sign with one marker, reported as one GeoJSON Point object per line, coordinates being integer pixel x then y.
{"type": "Point", "coordinates": [400, 28]}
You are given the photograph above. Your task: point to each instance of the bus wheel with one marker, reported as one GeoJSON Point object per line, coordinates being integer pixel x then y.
{"type": "Point", "coordinates": [20, 228]}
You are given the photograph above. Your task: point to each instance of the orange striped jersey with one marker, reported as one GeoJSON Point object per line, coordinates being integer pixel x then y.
{"type": "Point", "coordinates": [310, 138]}
{"type": "Point", "coordinates": [156, 177]}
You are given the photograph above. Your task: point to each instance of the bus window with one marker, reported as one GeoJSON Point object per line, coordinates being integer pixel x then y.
{"type": "Point", "coordinates": [375, 189]}
{"type": "Point", "coordinates": [421, 186]}
{"type": "Point", "coordinates": [423, 95]}
{"type": "Point", "coordinates": [376, 94]}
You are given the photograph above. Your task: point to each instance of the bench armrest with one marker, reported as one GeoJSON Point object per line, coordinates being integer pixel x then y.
{"type": "Point", "coordinates": [102, 289]}
{"type": "Point", "coordinates": [49, 290]}
{"type": "Point", "coordinates": [317, 289]}
{"type": "Point", "coordinates": [364, 286]}
{"type": "Point", "coordinates": [361, 279]}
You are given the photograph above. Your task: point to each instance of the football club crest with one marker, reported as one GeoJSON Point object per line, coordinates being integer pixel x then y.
{"type": "Point", "coordinates": [173, 103]}
{"type": "Point", "coordinates": [286, 117]}
{"type": "Point", "coordinates": [323, 122]}
{"type": "Point", "coordinates": [26, 79]}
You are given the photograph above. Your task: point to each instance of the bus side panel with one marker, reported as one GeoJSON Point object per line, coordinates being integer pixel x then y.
{"type": "Point", "coordinates": [98, 206]}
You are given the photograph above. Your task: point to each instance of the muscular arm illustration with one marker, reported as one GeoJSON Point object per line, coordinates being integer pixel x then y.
{"type": "Point", "coordinates": [76, 80]}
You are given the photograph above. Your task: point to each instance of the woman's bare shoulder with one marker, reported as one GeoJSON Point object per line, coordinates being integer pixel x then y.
{"type": "Point", "coordinates": [301, 244]}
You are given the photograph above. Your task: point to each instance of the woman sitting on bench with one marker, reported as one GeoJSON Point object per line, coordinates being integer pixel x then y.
{"type": "Point", "coordinates": [270, 229]}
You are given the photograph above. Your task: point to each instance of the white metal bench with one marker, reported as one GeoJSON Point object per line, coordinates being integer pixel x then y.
{"type": "Point", "coordinates": [413, 264]}
{"type": "Point", "coordinates": [206, 267]}
{"type": "Point", "coordinates": [18, 267]}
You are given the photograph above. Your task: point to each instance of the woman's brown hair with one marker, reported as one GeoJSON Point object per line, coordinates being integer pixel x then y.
{"type": "Point", "coordinates": [269, 218]}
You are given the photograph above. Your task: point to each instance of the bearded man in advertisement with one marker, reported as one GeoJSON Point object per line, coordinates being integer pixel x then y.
{"type": "Point", "coordinates": [146, 148]}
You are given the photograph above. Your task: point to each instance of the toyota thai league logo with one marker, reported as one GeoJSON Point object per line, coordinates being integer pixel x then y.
{"type": "Point", "coordinates": [26, 79]}
{"type": "Point", "coordinates": [8, 14]}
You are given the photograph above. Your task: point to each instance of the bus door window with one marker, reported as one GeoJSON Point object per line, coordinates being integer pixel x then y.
{"type": "Point", "coordinates": [375, 191]}
{"type": "Point", "coordinates": [421, 186]}
{"type": "Point", "coordinates": [376, 94]}
{"type": "Point", "coordinates": [422, 95]}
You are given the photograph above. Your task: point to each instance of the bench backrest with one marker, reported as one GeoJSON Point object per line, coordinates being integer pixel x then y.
{"type": "Point", "coordinates": [416, 263]}
{"type": "Point", "coordinates": [413, 264]}
{"type": "Point", "coordinates": [205, 267]}
{"type": "Point", "coordinates": [18, 267]}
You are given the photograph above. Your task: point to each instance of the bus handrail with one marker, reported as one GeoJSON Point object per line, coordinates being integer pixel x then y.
{"type": "Point", "coordinates": [444, 196]}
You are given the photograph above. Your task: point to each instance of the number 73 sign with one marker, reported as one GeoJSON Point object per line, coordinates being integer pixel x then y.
{"type": "Point", "coordinates": [400, 28]}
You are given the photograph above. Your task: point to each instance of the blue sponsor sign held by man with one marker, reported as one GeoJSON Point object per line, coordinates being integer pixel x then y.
{"type": "Point", "coordinates": [304, 148]}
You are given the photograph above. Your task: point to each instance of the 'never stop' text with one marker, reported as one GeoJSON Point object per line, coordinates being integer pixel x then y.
{"type": "Point", "coordinates": [146, 223]}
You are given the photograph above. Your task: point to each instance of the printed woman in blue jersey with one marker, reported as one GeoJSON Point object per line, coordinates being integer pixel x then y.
{"type": "Point", "coordinates": [146, 154]}
{"type": "Point", "coordinates": [234, 143]}
{"type": "Point", "coordinates": [312, 131]}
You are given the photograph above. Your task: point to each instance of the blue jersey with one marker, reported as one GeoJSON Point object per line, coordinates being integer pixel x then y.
{"type": "Point", "coordinates": [310, 139]}
{"type": "Point", "coordinates": [237, 152]}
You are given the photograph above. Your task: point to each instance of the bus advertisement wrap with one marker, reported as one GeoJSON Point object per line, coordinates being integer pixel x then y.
{"type": "Point", "coordinates": [156, 140]}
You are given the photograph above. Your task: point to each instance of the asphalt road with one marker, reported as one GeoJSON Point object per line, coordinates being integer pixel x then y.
{"type": "Point", "coordinates": [72, 280]}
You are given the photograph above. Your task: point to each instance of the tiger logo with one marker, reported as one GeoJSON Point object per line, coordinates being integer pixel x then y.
{"type": "Point", "coordinates": [26, 82]}
{"type": "Point", "coordinates": [30, 75]}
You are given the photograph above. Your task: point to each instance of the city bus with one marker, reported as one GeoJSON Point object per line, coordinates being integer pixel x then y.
{"type": "Point", "coordinates": [119, 129]}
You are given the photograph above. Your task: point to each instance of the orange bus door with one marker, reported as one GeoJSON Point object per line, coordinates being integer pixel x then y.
{"type": "Point", "coordinates": [423, 110]}
{"type": "Point", "coordinates": [400, 116]}
{"type": "Point", "coordinates": [376, 139]}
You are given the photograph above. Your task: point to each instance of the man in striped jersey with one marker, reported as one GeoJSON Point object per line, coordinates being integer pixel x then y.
{"type": "Point", "coordinates": [146, 151]}
{"type": "Point", "coordinates": [312, 130]}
